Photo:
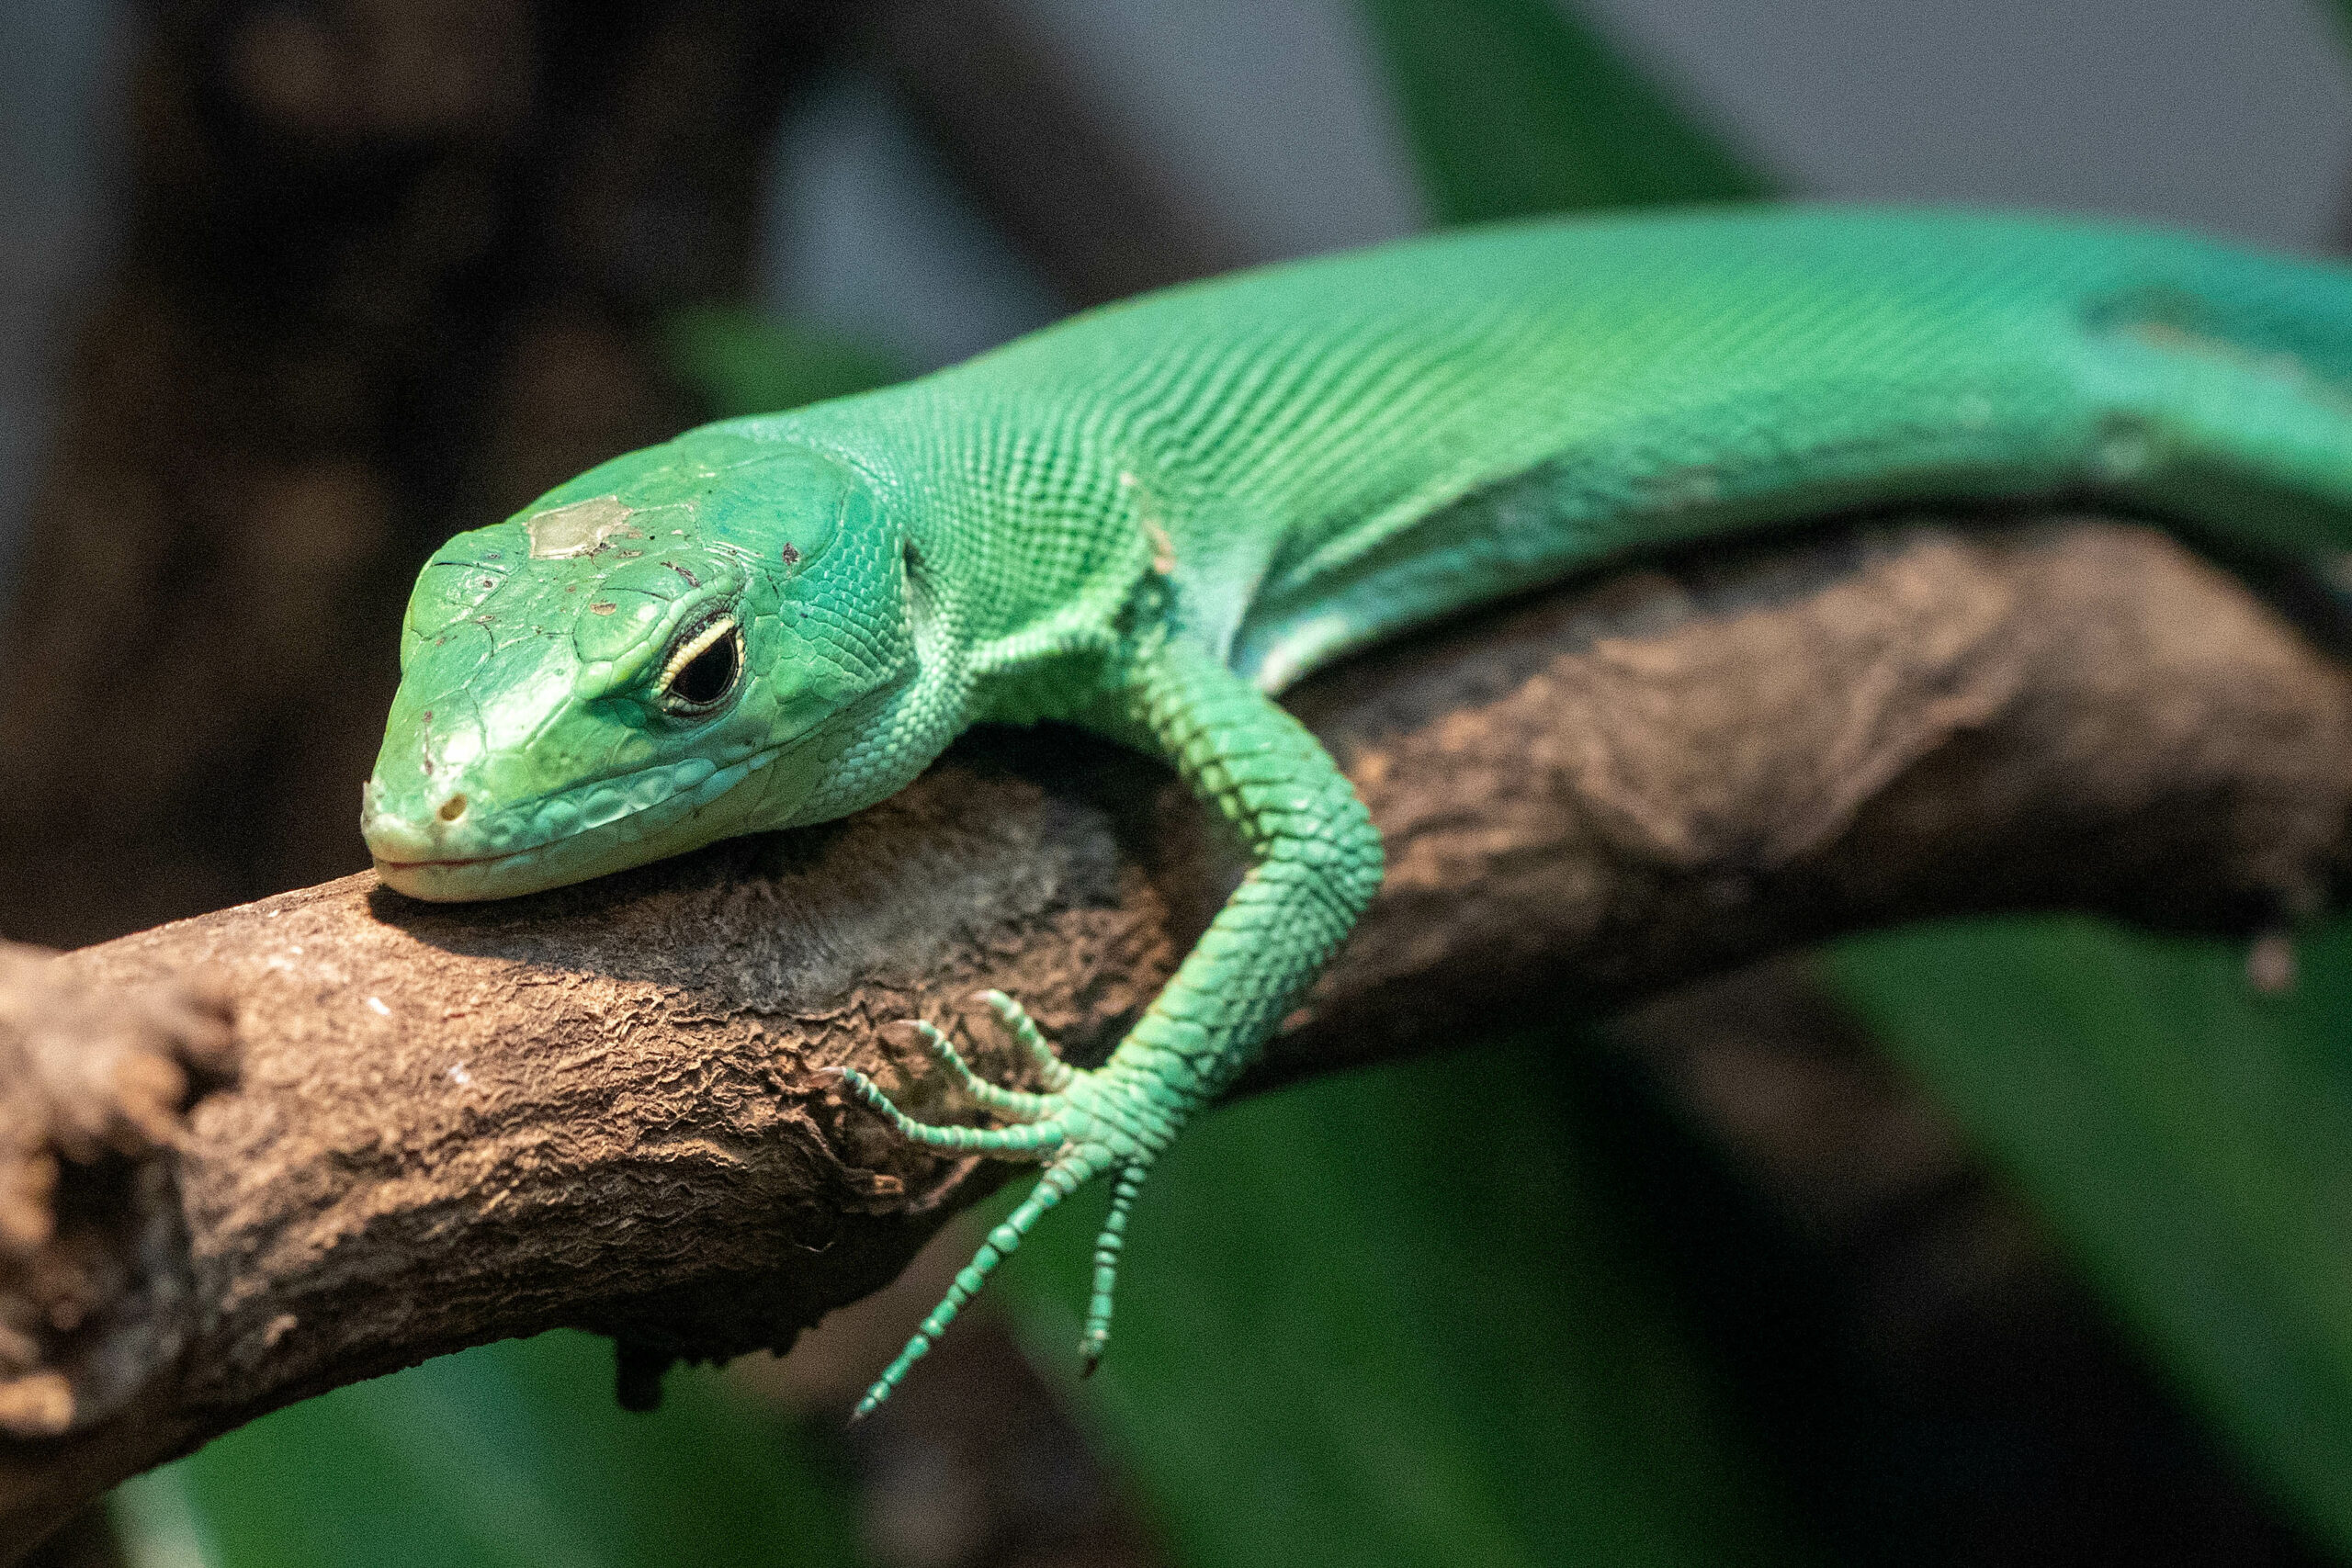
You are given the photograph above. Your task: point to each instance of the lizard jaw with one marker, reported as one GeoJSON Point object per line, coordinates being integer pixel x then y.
{"type": "Point", "coordinates": [664, 814]}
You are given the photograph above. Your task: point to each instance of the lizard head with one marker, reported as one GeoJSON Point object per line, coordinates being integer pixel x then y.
{"type": "Point", "coordinates": [668, 649]}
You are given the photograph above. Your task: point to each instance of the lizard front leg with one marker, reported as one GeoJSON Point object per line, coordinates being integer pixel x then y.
{"type": "Point", "coordinates": [1315, 864]}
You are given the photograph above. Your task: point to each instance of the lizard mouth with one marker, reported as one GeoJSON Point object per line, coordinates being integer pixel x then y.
{"type": "Point", "coordinates": [386, 864]}
{"type": "Point", "coordinates": [584, 831]}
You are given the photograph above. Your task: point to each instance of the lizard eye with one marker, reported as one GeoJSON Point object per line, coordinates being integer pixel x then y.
{"type": "Point", "coordinates": [702, 669]}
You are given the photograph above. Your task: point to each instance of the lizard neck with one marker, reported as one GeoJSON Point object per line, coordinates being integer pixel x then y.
{"type": "Point", "coordinates": [1029, 530]}
{"type": "Point", "coordinates": [1023, 539]}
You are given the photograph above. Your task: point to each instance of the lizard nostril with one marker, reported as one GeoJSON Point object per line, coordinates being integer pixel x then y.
{"type": "Point", "coordinates": [453, 809]}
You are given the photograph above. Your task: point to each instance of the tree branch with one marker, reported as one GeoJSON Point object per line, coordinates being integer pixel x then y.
{"type": "Point", "coordinates": [612, 1106]}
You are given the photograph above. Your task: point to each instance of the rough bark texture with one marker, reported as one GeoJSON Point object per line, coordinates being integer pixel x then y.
{"type": "Point", "coordinates": [611, 1106]}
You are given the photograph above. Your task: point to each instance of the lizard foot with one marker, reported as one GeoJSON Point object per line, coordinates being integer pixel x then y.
{"type": "Point", "coordinates": [1086, 1122]}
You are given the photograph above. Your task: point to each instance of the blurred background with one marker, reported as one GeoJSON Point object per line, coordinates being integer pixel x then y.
{"type": "Point", "coordinates": [1851, 1259]}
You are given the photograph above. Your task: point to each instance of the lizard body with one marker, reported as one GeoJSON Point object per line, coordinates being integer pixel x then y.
{"type": "Point", "coordinates": [1150, 517]}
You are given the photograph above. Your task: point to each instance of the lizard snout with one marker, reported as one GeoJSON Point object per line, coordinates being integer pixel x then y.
{"type": "Point", "coordinates": [426, 827]}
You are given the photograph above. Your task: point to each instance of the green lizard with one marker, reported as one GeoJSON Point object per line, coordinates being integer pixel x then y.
{"type": "Point", "coordinates": [1152, 518]}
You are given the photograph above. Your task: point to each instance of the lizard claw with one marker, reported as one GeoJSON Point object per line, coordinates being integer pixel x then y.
{"type": "Point", "coordinates": [1056, 1072]}
{"type": "Point", "coordinates": [1035, 1124]}
{"type": "Point", "coordinates": [1086, 1122]}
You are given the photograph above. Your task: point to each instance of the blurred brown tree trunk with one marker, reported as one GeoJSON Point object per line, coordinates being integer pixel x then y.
{"type": "Point", "coordinates": [391, 268]}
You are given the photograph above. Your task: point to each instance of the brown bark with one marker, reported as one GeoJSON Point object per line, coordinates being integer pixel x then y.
{"type": "Point", "coordinates": [611, 1106]}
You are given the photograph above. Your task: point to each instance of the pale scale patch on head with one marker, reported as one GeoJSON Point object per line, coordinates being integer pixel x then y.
{"type": "Point", "coordinates": [580, 529]}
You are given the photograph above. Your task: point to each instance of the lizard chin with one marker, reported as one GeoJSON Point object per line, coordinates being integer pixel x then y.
{"type": "Point", "coordinates": [466, 881]}
{"type": "Point", "coordinates": [729, 801]}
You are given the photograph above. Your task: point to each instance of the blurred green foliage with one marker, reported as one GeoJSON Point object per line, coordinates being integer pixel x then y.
{"type": "Point", "coordinates": [1401, 1315]}
{"type": "Point", "coordinates": [510, 1456]}
{"type": "Point", "coordinates": [2341, 10]}
{"type": "Point", "coordinates": [1511, 108]}
{"type": "Point", "coordinates": [740, 361]}
{"type": "Point", "coordinates": [2189, 1139]}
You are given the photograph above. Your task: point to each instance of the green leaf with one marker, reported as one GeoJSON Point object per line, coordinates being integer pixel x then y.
{"type": "Point", "coordinates": [2190, 1139]}
{"type": "Point", "coordinates": [1512, 109]}
{"type": "Point", "coordinates": [1399, 1316]}
{"type": "Point", "coordinates": [741, 361]}
{"type": "Point", "coordinates": [2341, 12]}
{"type": "Point", "coordinates": [509, 1455]}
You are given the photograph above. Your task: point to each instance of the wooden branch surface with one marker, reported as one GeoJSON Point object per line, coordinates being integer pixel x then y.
{"type": "Point", "coordinates": [612, 1106]}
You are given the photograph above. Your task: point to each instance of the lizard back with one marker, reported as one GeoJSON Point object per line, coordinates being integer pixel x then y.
{"type": "Point", "coordinates": [1329, 451]}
